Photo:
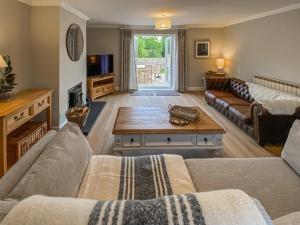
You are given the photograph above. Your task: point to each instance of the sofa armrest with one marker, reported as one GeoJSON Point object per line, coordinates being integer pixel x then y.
{"type": "Point", "coordinates": [216, 83]}
{"type": "Point", "coordinates": [271, 128]}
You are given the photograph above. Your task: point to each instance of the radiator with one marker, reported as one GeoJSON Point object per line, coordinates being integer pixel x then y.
{"type": "Point", "coordinates": [280, 85]}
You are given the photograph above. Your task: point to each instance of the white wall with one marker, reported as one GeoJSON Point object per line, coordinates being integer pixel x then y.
{"type": "Point", "coordinates": [268, 46]}
{"type": "Point", "coordinates": [70, 73]}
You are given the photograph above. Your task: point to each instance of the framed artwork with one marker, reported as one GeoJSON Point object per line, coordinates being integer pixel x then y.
{"type": "Point", "coordinates": [202, 49]}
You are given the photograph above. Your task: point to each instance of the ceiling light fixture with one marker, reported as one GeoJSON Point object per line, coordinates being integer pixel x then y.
{"type": "Point", "coordinates": [163, 23]}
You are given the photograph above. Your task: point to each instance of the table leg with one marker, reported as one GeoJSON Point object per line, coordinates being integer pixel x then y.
{"type": "Point", "coordinates": [49, 116]}
{"type": "Point", "coordinates": [3, 148]}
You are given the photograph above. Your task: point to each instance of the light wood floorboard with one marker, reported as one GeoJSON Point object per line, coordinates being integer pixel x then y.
{"type": "Point", "coordinates": [237, 144]}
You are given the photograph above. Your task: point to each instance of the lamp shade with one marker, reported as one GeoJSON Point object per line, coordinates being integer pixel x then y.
{"type": "Point", "coordinates": [2, 62]}
{"type": "Point", "coordinates": [163, 23]}
{"type": "Point", "coordinates": [220, 63]}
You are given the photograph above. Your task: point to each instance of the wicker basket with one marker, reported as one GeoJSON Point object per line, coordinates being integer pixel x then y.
{"type": "Point", "coordinates": [22, 139]}
{"type": "Point", "coordinates": [78, 115]}
{"type": "Point", "coordinates": [187, 113]}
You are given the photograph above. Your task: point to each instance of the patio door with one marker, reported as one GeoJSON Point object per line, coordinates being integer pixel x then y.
{"type": "Point", "coordinates": [155, 58]}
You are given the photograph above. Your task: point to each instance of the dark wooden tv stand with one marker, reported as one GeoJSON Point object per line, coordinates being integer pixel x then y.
{"type": "Point", "coordinates": [100, 85]}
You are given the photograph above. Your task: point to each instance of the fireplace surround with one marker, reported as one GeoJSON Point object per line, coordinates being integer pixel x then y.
{"type": "Point", "coordinates": [75, 96]}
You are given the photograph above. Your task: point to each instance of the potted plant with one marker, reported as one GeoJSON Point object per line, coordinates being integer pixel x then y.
{"type": "Point", "coordinates": [7, 80]}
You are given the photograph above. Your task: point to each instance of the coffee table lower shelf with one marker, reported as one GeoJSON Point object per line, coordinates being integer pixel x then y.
{"type": "Point", "coordinates": [188, 145]}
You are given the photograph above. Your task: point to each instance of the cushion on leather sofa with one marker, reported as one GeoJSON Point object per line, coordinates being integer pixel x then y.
{"type": "Point", "coordinates": [59, 170]}
{"type": "Point", "coordinates": [240, 88]}
{"type": "Point", "coordinates": [291, 150]}
{"type": "Point", "coordinates": [229, 101]}
{"type": "Point", "coordinates": [290, 219]}
{"type": "Point", "coordinates": [15, 174]}
{"type": "Point", "coordinates": [5, 207]}
{"type": "Point", "coordinates": [213, 94]}
{"type": "Point", "coordinates": [241, 113]}
{"type": "Point", "coordinates": [270, 180]}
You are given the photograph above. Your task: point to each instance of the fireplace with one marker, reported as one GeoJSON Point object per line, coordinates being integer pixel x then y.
{"type": "Point", "coordinates": [75, 96]}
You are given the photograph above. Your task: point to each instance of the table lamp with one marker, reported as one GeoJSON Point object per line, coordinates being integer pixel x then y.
{"type": "Point", "coordinates": [220, 65]}
{"type": "Point", "coordinates": [2, 62]}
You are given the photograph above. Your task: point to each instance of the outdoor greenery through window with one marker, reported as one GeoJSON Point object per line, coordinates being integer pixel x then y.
{"type": "Point", "coordinates": [154, 61]}
{"type": "Point", "coordinates": [151, 47]}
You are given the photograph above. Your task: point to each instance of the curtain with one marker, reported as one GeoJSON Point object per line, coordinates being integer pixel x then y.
{"type": "Point", "coordinates": [133, 82]}
{"type": "Point", "coordinates": [126, 53]}
{"type": "Point", "coordinates": [182, 60]}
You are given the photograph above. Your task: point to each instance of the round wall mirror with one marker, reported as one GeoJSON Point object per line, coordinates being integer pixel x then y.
{"type": "Point", "coordinates": [75, 42]}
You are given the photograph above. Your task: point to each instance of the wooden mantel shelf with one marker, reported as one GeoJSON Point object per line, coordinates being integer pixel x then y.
{"type": "Point", "coordinates": [23, 107]}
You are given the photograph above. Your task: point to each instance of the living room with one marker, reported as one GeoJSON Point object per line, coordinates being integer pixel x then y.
{"type": "Point", "coordinates": [103, 102]}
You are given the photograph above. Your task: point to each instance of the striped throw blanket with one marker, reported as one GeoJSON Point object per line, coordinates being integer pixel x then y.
{"type": "Point", "coordinates": [225, 207]}
{"type": "Point", "coordinates": [146, 177]}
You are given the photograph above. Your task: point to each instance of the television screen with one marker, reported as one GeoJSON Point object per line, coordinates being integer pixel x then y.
{"type": "Point", "coordinates": [99, 64]}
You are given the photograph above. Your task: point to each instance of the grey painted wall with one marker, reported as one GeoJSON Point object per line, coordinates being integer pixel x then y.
{"type": "Point", "coordinates": [107, 41]}
{"type": "Point", "coordinates": [52, 67]}
{"type": "Point", "coordinates": [15, 39]}
{"type": "Point", "coordinates": [198, 67]}
{"type": "Point", "coordinates": [45, 53]}
{"type": "Point", "coordinates": [269, 46]}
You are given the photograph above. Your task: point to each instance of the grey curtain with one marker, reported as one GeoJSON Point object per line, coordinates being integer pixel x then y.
{"type": "Point", "coordinates": [126, 54]}
{"type": "Point", "coordinates": [182, 60]}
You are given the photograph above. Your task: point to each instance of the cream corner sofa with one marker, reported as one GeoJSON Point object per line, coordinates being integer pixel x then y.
{"type": "Point", "coordinates": [271, 180]}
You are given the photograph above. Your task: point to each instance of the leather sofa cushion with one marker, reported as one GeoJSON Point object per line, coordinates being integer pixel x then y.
{"type": "Point", "coordinates": [59, 170]}
{"type": "Point", "coordinates": [213, 94]}
{"type": "Point", "coordinates": [229, 101]}
{"type": "Point", "coordinates": [241, 112]}
{"type": "Point", "coordinates": [15, 174]}
{"type": "Point", "coordinates": [270, 180]}
{"type": "Point", "coordinates": [239, 88]}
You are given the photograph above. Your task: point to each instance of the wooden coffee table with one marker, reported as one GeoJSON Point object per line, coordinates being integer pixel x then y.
{"type": "Point", "coordinates": [139, 131]}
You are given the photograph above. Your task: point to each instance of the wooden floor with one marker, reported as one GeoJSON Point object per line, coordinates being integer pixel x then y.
{"type": "Point", "coordinates": [236, 142]}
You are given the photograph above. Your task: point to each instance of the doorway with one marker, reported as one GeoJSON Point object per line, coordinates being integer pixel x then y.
{"type": "Point", "coordinates": [155, 61]}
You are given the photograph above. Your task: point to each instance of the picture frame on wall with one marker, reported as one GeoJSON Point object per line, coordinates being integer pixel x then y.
{"type": "Point", "coordinates": [202, 49]}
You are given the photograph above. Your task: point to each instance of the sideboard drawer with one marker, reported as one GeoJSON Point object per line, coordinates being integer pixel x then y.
{"type": "Point", "coordinates": [17, 119]}
{"type": "Point", "coordinates": [98, 91]}
{"type": "Point", "coordinates": [169, 140]}
{"type": "Point", "coordinates": [132, 140]}
{"type": "Point", "coordinates": [40, 105]}
{"type": "Point", "coordinates": [209, 140]}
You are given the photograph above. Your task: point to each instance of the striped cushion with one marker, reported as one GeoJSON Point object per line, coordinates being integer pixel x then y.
{"type": "Point", "coordinates": [145, 177]}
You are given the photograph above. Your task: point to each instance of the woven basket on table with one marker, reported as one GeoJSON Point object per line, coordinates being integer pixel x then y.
{"type": "Point", "coordinates": [187, 113]}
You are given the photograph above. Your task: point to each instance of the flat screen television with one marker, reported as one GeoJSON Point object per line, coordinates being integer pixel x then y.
{"type": "Point", "coordinates": [100, 64]}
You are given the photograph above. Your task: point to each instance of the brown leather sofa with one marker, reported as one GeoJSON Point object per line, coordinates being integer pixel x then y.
{"type": "Point", "coordinates": [231, 97]}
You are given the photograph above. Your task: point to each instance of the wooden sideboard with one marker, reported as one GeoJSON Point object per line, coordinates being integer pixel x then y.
{"type": "Point", "coordinates": [99, 86]}
{"type": "Point", "coordinates": [23, 107]}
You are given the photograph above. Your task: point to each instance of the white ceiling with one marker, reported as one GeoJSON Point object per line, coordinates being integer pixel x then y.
{"type": "Point", "coordinates": [206, 13]}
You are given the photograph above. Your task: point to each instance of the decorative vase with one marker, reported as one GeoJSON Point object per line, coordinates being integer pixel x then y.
{"type": "Point", "coordinates": [4, 97]}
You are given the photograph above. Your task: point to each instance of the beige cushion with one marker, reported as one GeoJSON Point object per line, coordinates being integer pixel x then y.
{"type": "Point", "coordinates": [270, 180]}
{"type": "Point", "coordinates": [290, 219]}
{"type": "Point", "coordinates": [5, 207]}
{"type": "Point", "coordinates": [291, 150]}
{"type": "Point", "coordinates": [59, 169]}
{"type": "Point", "coordinates": [14, 175]}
